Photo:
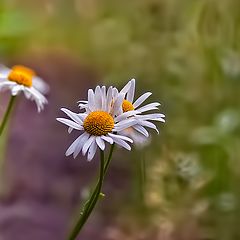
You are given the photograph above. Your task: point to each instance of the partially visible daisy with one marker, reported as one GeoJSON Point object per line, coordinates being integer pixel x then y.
{"type": "Point", "coordinates": [138, 138]}
{"type": "Point", "coordinates": [100, 123]}
{"type": "Point", "coordinates": [22, 79]}
{"type": "Point", "coordinates": [138, 131]}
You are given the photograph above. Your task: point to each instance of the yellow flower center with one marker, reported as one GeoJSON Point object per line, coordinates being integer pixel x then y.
{"type": "Point", "coordinates": [127, 106]}
{"type": "Point", "coordinates": [98, 123]}
{"type": "Point", "coordinates": [21, 75]}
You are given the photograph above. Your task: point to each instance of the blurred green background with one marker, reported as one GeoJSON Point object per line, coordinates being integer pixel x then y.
{"type": "Point", "coordinates": [185, 183]}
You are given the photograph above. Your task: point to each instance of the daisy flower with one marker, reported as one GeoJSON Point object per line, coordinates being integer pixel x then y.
{"type": "Point", "coordinates": [22, 79]}
{"type": "Point", "coordinates": [138, 131]}
{"type": "Point", "coordinates": [100, 122]}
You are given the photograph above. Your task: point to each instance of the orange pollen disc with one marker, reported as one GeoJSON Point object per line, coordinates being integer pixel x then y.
{"type": "Point", "coordinates": [127, 106]}
{"type": "Point", "coordinates": [24, 69]}
{"type": "Point", "coordinates": [21, 75]}
{"type": "Point", "coordinates": [98, 123]}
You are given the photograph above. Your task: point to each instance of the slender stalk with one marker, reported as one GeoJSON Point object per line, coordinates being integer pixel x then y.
{"type": "Point", "coordinates": [109, 159]}
{"type": "Point", "coordinates": [89, 206]}
{"type": "Point", "coordinates": [105, 170]}
{"type": "Point", "coordinates": [91, 203]}
{"type": "Point", "coordinates": [7, 114]}
{"type": "Point", "coordinates": [97, 195]}
{"type": "Point", "coordinates": [86, 205]}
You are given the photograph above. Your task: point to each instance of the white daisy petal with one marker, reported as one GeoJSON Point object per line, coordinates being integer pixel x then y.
{"type": "Point", "coordinates": [139, 139]}
{"type": "Point", "coordinates": [148, 107]}
{"type": "Point", "coordinates": [104, 98]}
{"type": "Point", "coordinates": [16, 89]}
{"type": "Point", "coordinates": [75, 117]}
{"type": "Point", "coordinates": [100, 142]}
{"type": "Point", "coordinates": [126, 115]}
{"type": "Point", "coordinates": [4, 85]}
{"type": "Point", "coordinates": [115, 93]}
{"type": "Point", "coordinates": [117, 107]}
{"type": "Point", "coordinates": [40, 85]}
{"type": "Point", "coordinates": [141, 99]}
{"type": "Point", "coordinates": [27, 94]}
{"type": "Point", "coordinates": [98, 98]}
{"type": "Point", "coordinates": [153, 117]}
{"type": "Point", "coordinates": [91, 101]}
{"type": "Point", "coordinates": [33, 94]}
{"type": "Point", "coordinates": [70, 123]}
{"type": "Point", "coordinates": [109, 99]}
{"type": "Point", "coordinates": [122, 143]}
{"type": "Point", "coordinates": [114, 136]}
{"type": "Point", "coordinates": [82, 116]}
{"type": "Point", "coordinates": [4, 71]}
{"type": "Point", "coordinates": [107, 139]}
{"type": "Point", "coordinates": [148, 124]}
{"type": "Point", "coordinates": [87, 144]}
{"type": "Point", "coordinates": [82, 106]}
{"type": "Point", "coordinates": [124, 124]}
{"type": "Point", "coordinates": [131, 92]}
{"type": "Point", "coordinates": [73, 146]}
{"type": "Point", "coordinates": [141, 129]}
{"type": "Point", "coordinates": [92, 151]}
{"type": "Point", "coordinates": [37, 97]}
{"type": "Point", "coordinates": [126, 88]}
{"type": "Point", "coordinates": [80, 144]}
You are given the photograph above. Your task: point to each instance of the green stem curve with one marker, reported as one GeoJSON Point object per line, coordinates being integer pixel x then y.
{"type": "Point", "coordinates": [91, 203]}
{"type": "Point", "coordinates": [7, 114]}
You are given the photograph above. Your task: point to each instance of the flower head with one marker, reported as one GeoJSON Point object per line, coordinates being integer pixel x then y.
{"type": "Point", "coordinates": [22, 79]}
{"type": "Point", "coordinates": [100, 122]}
{"type": "Point", "coordinates": [138, 131]}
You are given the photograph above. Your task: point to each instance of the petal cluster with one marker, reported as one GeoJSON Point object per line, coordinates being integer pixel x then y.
{"type": "Point", "coordinates": [143, 118]}
{"type": "Point", "coordinates": [22, 79]}
{"type": "Point", "coordinates": [99, 107]}
{"type": "Point", "coordinates": [105, 119]}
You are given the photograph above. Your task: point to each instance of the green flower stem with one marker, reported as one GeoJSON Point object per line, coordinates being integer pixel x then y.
{"type": "Point", "coordinates": [91, 202]}
{"type": "Point", "coordinates": [96, 196]}
{"type": "Point", "coordinates": [105, 170]}
{"type": "Point", "coordinates": [7, 114]}
{"type": "Point", "coordinates": [87, 204]}
{"type": "Point", "coordinates": [109, 159]}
